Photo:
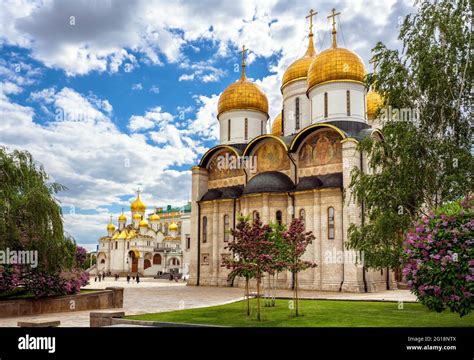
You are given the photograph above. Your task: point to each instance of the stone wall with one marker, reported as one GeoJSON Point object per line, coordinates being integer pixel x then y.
{"type": "Point", "coordinates": [111, 297]}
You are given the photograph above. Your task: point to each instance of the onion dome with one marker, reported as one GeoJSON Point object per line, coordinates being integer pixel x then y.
{"type": "Point", "coordinates": [277, 126]}
{"type": "Point", "coordinates": [110, 226]}
{"type": "Point", "coordinates": [374, 103]}
{"type": "Point", "coordinates": [154, 217]}
{"type": "Point", "coordinates": [243, 95]}
{"type": "Point", "coordinates": [335, 64]}
{"type": "Point", "coordinates": [298, 70]}
{"type": "Point", "coordinates": [374, 99]}
{"type": "Point", "coordinates": [143, 223]}
{"type": "Point", "coordinates": [122, 216]}
{"type": "Point", "coordinates": [136, 216]}
{"type": "Point", "coordinates": [173, 227]}
{"type": "Point", "coordinates": [138, 205]}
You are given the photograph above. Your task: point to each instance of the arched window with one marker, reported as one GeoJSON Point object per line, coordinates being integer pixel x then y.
{"type": "Point", "coordinates": [157, 259]}
{"type": "Point", "coordinates": [226, 228]}
{"type": "Point", "coordinates": [331, 223]}
{"type": "Point", "coordinates": [303, 217]}
{"type": "Point", "coordinates": [246, 128]}
{"type": "Point", "coordinates": [116, 245]}
{"type": "Point", "coordinates": [297, 113]}
{"type": "Point", "coordinates": [204, 229]}
{"type": "Point", "coordinates": [146, 264]}
{"type": "Point", "coordinates": [228, 129]}
{"type": "Point", "coordinates": [279, 217]}
{"type": "Point", "coordinates": [325, 104]}
{"type": "Point", "coordinates": [348, 102]}
{"type": "Point", "coordinates": [255, 215]}
{"type": "Point", "coordinates": [261, 127]}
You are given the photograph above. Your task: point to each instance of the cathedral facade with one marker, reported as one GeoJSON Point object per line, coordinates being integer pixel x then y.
{"type": "Point", "coordinates": [155, 245]}
{"type": "Point", "coordinates": [301, 169]}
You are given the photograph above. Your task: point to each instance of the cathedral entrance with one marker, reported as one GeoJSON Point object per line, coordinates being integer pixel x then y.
{"type": "Point", "coordinates": [134, 258]}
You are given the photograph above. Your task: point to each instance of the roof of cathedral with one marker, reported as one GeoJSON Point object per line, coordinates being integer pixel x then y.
{"type": "Point", "coordinates": [138, 204]}
{"type": "Point", "coordinates": [319, 182]}
{"type": "Point", "coordinates": [298, 70]}
{"type": "Point", "coordinates": [230, 192]}
{"type": "Point", "coordinates": [242, 95]}
{"type": "Point", "coordinates": [270, 181]}
{"type": "Point", "coordinates": [335, 64]}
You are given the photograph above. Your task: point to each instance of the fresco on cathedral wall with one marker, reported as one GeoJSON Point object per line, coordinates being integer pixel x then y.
{"type": "Point", "coordinates": [321, 148]}
{"type": "Point", "coordinates": [222, 172]}
{"type": "Point", "coordinates": [271, 156]}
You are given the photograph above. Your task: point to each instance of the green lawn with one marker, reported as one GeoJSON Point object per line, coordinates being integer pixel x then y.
{"type": "Point", "coordinates": [316, 313]}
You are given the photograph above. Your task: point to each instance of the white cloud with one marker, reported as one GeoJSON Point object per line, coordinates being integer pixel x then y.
{"type": "Point", "coordinates": [152, 118]}
{"type": "Point", "coordinates": [104, 32]}
{"type": "Point", "coordinates": [98, 163]}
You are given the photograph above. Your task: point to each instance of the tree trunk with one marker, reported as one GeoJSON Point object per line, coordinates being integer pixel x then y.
{"type": "Point", "coordinates": [247, 290]}
{"type": "Point", "coordinates": [296, 294]}
{"type": "Point", "coordinates": [258, 299]}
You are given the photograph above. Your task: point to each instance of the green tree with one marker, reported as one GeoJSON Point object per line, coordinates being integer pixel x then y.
{"type": "Point", "coordinates": [30, 216]}
{"type": "Point", "coordinates": [424, 159]}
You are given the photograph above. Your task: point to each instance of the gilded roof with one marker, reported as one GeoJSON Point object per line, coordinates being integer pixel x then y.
{"type": "Point", "coordinates": [298, 70]}
{"type": "Point", "coordinates": [277, 129]}
{"type": "Point", "coordinates": [335, 64]}
{"type": "Point", "coordinates": [374, 103]}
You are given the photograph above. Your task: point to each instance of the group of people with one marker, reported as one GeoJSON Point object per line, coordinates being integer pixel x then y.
{"type": "Point", "coordinates": [137, 278]}
{"type": "Point", "coordinates": [100, 277]}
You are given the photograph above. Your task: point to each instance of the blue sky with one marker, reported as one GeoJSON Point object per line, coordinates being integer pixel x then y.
{"type": "Point", "coordinates": [112, 96]}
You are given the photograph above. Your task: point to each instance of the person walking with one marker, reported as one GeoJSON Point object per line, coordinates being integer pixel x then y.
{"type": "Point", "coordinates": [138, 279]}
{"type": "Point", "coordinates": [128, 278]}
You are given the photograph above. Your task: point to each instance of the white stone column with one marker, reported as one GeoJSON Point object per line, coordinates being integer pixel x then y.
{"type": "Point", "coordinates": [353, 276]}
{"type": "Point", "coordinates": [200, 178]}
{"type": "Point", "coordinates": [215, 243]}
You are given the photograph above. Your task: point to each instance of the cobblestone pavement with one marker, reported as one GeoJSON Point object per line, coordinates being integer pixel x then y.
{"type": "Point", "coordinates": [162, 295]}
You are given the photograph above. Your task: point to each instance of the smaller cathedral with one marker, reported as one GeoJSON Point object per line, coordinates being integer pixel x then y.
{"type": "Point", "coordinates": [155, 244]}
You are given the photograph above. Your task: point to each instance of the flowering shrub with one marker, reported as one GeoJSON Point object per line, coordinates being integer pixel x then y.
{"type": "Point", "coordinates": [42, 284]}
{"type": "Point", "coordinates": [438, 258]}
{"type": "Point", "coordinates": [9, 278]}
{"type": "Point", "coordinates": [81, 255]}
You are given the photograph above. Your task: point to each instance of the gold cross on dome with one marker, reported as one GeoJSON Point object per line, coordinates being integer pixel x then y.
{"type": "Point", "coordinates": [243, 77]}
{"type": "Point", "coordinates": [333, 16]}
{"type": "Point", "coordinates": [310, 17]}
{"type": "Point", "coordinates": [243, 54]}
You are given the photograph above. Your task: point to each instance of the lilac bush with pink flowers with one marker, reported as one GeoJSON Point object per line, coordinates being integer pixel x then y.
{"type": "Point", "coordinates": [438, 258]}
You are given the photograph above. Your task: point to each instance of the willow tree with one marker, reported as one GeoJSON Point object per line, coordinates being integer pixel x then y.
{"type": "Point", "coordinates": [424, 159]}
{"type": "Point", "coordinates": [30, 215]}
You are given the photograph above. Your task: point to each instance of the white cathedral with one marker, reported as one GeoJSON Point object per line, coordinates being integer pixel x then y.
{"type": "Point", "coordinates": [157, 244]}
{"type": "Point", "coordinates": [303, 168]}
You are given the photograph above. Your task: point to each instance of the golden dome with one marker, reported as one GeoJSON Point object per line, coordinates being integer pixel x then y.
{"type": "Point", "coordinates": [374, 103]}
{"type": "Point", "coordinates": [143, 223]}
{"type": "Point", "coordinates": [110, 226]}
{"type": "Point", "coordinates": [242, 95]}
{"type": "Point", "coordinates": [136, 216]}
{"type": "Point", "coordinates": [138, 205]}
{"type": "Point", "coordinates": [173, 227]}
{"type": "Point", "coordinates": [154, 217]}
{"type": "Point", "coordinates": [277, 129]}
{"type": "Point", "coordinates": [122, 218]}
{"type": "Point", "coordinates": [298, 70]}
{"type": "Point", "coordinates": [335, 64]}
